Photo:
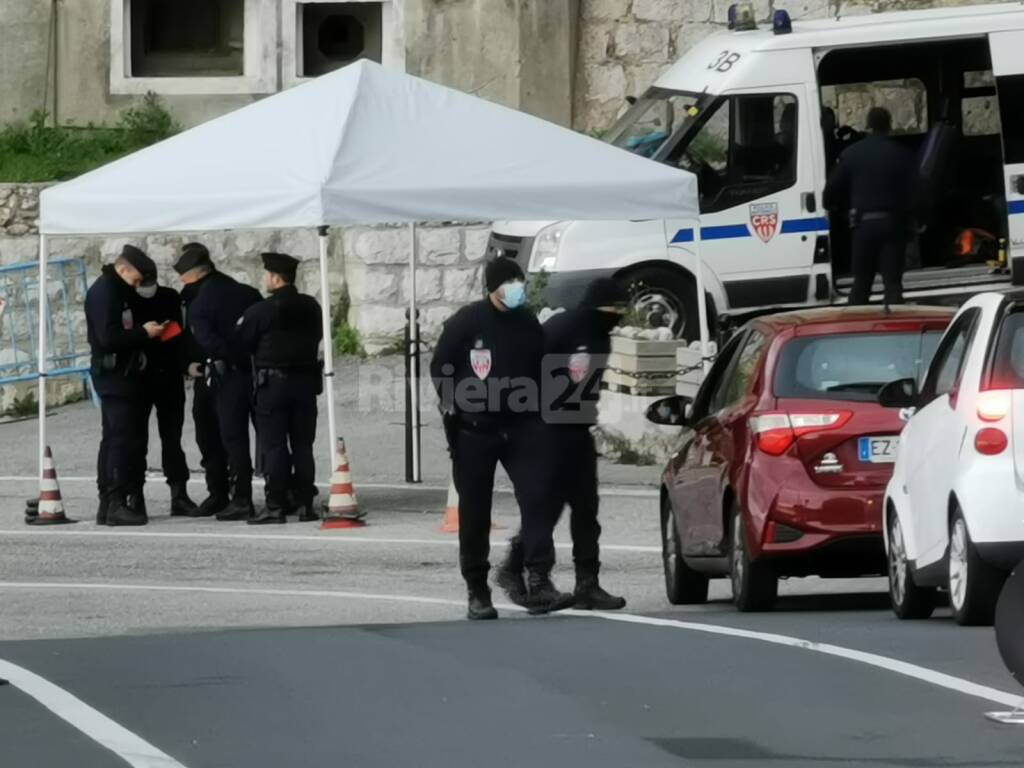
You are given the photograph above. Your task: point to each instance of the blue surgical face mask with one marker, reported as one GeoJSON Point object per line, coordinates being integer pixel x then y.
{"type": "Point", "coordinates": [513, 295]}
{"type": "Point", "coordinates": [146, 291]}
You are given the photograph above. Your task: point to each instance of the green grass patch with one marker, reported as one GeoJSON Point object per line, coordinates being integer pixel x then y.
{"type": "Point", "coordinates": [35, 152]}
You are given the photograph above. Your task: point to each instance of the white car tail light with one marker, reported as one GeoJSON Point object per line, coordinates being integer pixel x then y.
{"type": "Point", "coordinates": [776, 432]}
{"type": "Point", "coordinates": [994, 405]}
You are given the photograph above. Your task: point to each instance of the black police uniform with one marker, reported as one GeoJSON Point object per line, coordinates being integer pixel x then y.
{"type": "Point", "coordinates": [116, 341]}
{"type": "Point", "coordinates": [164, 389]}
{"type": "Point", "coordinates": [486, 368]}
{"type": "Point", "coordinates": [212, 317]}
{"type": "Point", "coordinates": [214, 458]}
{"type": "Point", "coordinates": [283, 333]}
{"type": "Point", "coordinates": [874, 180]}
{"type": "Point", "coordinates": [576, 347]}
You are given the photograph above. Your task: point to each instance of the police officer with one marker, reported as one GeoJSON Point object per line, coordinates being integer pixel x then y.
{"type": "Point", "coordinates": [283, 334]}
{"type": "Point", "coordinates": [163, 388]}
{"type": "Point", "coordinates": [486, 369]}
{"type": "Point", "coordinates": [576, 347]}
{"type": "Point", "coordinates": [193, 265]}
{"type": "Point", "coordinates": [116, 342]}
{"type": "Point", "coordinates": [874, 181]}
{"type": "Point", "coordinates": [213, 315]}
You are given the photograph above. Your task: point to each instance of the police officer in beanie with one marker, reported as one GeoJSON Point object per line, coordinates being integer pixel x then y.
{"type": "Point", "coordinates": [576, 347]}
{"type": "Point", "coordinates": [214, 312]}
{"type": "Point", "coordinates": [283, 334]}
{"type": "Point", "coordinates": [163, 388]}
{"type": "Point", "coordinates": [117, 342]}
{"type": "Point", "coordinates": [486, 369]}
{"type": "Point", "coordinates": [192, 267]}
{"type": "Point", "coordinates": [874, 181]}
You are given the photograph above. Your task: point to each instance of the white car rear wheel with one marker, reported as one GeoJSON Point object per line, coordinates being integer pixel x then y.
{"type": "Point", "coordinates": [973, 584]}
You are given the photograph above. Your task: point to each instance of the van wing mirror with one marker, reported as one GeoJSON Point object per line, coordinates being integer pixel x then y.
{"type": "Point", "coordinates": [901, 393]}
{"type": "Point", "coordinates": [675, 411]}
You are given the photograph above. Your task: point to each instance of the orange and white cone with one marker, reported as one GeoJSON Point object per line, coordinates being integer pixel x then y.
{"type": "Point", "coordinates": [50, 509]}
{"type": "Point", "coordinates": [342, 507]}
{"type": "Point", "coordinates": [450, 524]}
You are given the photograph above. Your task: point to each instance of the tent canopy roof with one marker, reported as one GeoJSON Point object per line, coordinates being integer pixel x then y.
{"type": "Point", "coordinates": [366, 145]}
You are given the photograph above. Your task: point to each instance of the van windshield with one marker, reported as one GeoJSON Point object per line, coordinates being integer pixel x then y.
{"type": "Point", "coordinates": [658, 115]}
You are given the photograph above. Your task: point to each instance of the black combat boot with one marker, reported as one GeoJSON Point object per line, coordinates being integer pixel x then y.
{"type": "Point", "coordinates": [212, 505]}
{"type": "Point", "coordinates": [121, 511]}
{"type": "Point", "coordinates": [271, 514]}
{"type": "Point", "coordinates": [480, 606]}
{"type": "Point", "coordinates": [544, 597]}
{"type": "Point", "coordinates": [591, 597]}
{"type": "Point", "coordinates": [181, 504]}
{"type": "Point", "coordinates": [240, 508]}
{"type": "Point", "coordinates": [101, 510]}
{"type": "Point", "coordinates": [510, 574]}
{"type": "Point", "coordinates": [307, 513]}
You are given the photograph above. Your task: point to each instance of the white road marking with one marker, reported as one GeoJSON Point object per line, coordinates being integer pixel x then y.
{"type": "Point", "coordinates": [941, 679]}
{"type": "Point", "coordinates": [350, 537]}
{"type": "Point", "coordinates": [606, 490]}
{"type": "Point", "coordinates": [134, 750]}
{"type": "Point", "coordinates": [915, 671]}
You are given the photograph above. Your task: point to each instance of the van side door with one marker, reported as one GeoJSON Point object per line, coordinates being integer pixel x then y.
{"type": "Point", "coordinates": [1007, 49]}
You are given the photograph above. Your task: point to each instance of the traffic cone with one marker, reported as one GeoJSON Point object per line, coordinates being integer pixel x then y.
{"type": "Point", "coordinates": [451, 510]}
{"type": "Point", "coordinates": [342, 507]}
{"type": "Point", "coordinates": [50, 509]}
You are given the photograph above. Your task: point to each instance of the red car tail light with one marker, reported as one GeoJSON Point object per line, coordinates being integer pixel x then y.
{"type": "Point", "coordinates": [776, 432]}
{"type": "Point", "coordinates": [990, 441]}
{"type": "Point", "coordinates": [993, 405]}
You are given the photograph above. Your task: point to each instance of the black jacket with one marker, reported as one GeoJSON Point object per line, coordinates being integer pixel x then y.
{"type": "Point", "coordinates": [214, 313]}
{"type": "Point", "coordinates": [875, 175]}
{"type": "Point", "coordinates": [191, 352]}
{"type": "Point", "coordinates": [162, 357]}
{"type": "Point", "coordinates": [576, 347]}
{"type": "Point", "coordinates": [282, 331]}
{"type": "Point", "coordinates": [116, 338]}
{"type": "Point", "coordinates": [487, 364]}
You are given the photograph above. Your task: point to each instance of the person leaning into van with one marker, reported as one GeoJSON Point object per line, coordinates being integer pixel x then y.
{"type": "Point", "coordinates": [873, 180]}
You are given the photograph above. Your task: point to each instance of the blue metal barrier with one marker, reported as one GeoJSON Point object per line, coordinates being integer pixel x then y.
{"type": "Point", "coordinates": [19, 289]}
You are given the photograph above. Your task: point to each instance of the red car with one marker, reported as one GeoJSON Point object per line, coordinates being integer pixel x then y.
{"type": "Point", "coordinates": [785, 468]}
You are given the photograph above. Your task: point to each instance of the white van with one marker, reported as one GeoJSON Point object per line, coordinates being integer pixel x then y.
{"type": "Point", "coordinates": [752, 111]}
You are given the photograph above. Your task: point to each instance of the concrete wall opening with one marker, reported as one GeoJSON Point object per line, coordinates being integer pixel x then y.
{"type": "Point", "coordinates": [332, 35]}
{"type": "Point", "coordinates": [187, 38]}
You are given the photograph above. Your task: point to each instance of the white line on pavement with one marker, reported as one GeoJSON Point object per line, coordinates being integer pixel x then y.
{"type": "Point", "coordinates": [606, 490]}
{"type": "Point", "coordinates": [352, 537]}
{"type": "Point", "coordinates": [886, 663]}
{"type": "Point", "coordinates": [924, 674]}
{"type": "Point", "coordinates": [131, 748]}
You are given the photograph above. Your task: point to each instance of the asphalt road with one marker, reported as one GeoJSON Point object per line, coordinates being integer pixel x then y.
{"type": "Point", "coordinates": [197, 644]}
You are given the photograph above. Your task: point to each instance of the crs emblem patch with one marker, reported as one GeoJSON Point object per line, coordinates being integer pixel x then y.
{"type": "Point", "coordinates": [480, 360]}
{"type": "Point", "coordinates": [764, 218]}
{"type": "Point", "coordinates": [579, 366]}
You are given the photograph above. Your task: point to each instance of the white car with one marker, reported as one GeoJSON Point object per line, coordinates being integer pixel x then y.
{"type": "Point", "coordinates": [955, 504]}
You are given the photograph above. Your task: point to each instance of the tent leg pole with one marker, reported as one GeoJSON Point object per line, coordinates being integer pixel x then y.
{"type": "Point", "coordinates": [325, 312]}
{"type": "Point", "coordinates": [702, 302]}
{"type": "Point", "coordinates": [414, 358]}
{"type": "Point", "coordinates": [41, 361]}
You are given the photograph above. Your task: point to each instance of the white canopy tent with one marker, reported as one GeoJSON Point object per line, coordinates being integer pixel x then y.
{"type": "Point", "coordinates": [361, 145]}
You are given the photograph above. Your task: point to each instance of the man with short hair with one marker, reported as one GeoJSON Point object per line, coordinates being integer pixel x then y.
{"type": "Point", "coordinates": [283, 334]}
{"type": "Point", "coordinates": [213, 315]}
{"type": "Point", "coordinates": [874, 181]}
{"type": "Point", "coordinates": [116, 341]}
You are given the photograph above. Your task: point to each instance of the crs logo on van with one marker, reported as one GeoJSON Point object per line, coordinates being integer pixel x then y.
{"type": "Point", "coordinates": [764, 218]}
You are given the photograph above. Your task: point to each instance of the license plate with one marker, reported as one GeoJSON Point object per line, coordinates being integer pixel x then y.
{"type": "Point", "coordinates": [878, 450]}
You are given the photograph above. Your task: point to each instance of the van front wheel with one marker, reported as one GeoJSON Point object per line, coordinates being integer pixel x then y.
{"type": "Point", "coordinates": [665, 298]}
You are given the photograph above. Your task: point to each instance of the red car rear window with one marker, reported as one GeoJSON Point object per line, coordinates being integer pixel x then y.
{"type": "Point", "coordinates": [851, 366]}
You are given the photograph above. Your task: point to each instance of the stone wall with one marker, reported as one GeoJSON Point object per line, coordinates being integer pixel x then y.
{"type": "Point", "coordinates": [624, 45]}
{"type": "Point", "coordinates": [19, 209]}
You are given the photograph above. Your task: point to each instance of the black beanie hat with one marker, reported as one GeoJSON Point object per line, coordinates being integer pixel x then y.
{"type": "Point", "coordinates": [281, 264]}
{"type": "Point", "coordinates": [192, 255]}
{"type": "Point", "coordinates": [605, 292]}
{"type": "Point", "coordinates": [499, 271]}
{"type": "Point", "coordinates": [138, 259]}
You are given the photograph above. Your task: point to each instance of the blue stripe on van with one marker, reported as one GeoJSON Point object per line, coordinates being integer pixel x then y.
{"type": "Point", "coordinates": [1015, 206]}
{"type": "Point", "coordinates": [730, 231]}
{"type": "Point", "coordinates": [815, 224]}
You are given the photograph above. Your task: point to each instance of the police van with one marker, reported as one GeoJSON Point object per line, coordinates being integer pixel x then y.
{"type": "Point", "coordinates": [760, 114]}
